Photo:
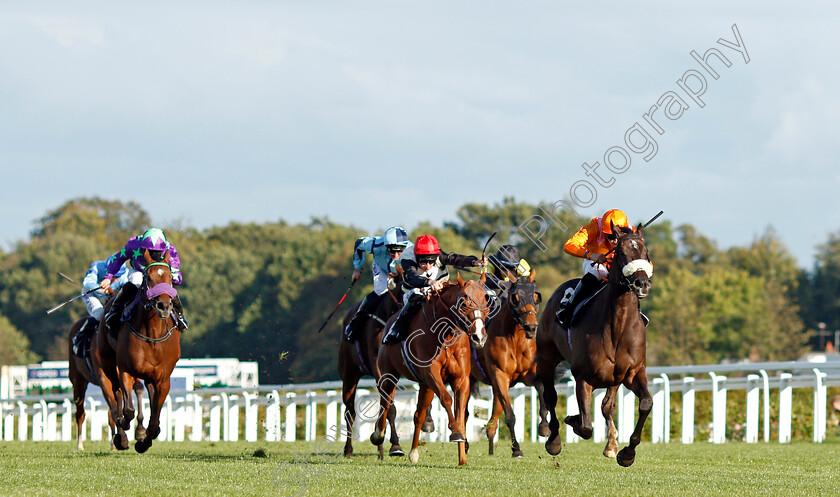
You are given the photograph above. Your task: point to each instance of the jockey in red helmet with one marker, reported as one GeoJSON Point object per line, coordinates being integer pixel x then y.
{"type": "Point", "coordinates": [424, 271]}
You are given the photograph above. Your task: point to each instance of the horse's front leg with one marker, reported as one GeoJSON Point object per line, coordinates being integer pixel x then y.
{"type": "Point", "coordinates": [546, 362]}
{"type": "Point", "coordinates": [493, 425]}
{"type": "Point", "coordinates": [139, 429]}
{"type": "Point", "coordinates": [386, 385]}
{"type": "Point", "coordinates": [439, 388]}
{"type": "Point", "coordinates": [110, 392]}
{"type": "Point", "coordinates": [157, 395]}
{"type": "Point", "coordinates": [461, 387]}
{"type": "Point", "coordinates": [424, 400]}
{"type": "Point", "coordinates": [127, 388]}
{"type": "Point", "coordinates": [501, 390]}
{"type": "Point", "coordinates": [607, 409]}
{"type": "Point", "coordinates": [627, 455]}
{"type": "Point", "coordinates": [582, 423]}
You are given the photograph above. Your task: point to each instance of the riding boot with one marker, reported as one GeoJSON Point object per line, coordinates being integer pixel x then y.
{"type": "Point", "coordinates": [584, 288]}
{"type": "Point", "coordinates": [124, 296]}
{"type": "Point", "coordinates": [87, 329]}
{"type": "Point", "coordinates": [398, 330]}
{"type": "Point", "coordinates": [180, 320]}
{"type": "Point", "coordinates": [368, 307]}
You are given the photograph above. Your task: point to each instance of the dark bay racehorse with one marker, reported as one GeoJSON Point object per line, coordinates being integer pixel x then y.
{"type": "Point", "coordinates": [147, 348]}
{"type": "Point", "coordinates": [510, 355]}
{"type": "Point", "coordinates": [605, 347]}
{"type": "Point", "coordinates": [80, 376]}
{"type": "Point", "coordinates": [436, 353]}
{"type": "Point", "coordinates": [358, 359]}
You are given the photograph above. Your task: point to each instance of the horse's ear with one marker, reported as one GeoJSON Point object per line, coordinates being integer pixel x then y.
{"type": "Point", "coordinates": [532, 276]}
{"type": "Point", "coordinates": [483, 278]}
{"type": "Point", "coordinates": [399, 270]}
{"type": "Point", "coordinates": [166, 257]}
{"type": "Point", "coordinates": [147, 257]}
{"type": "Point", "coordinates": [612, 227]}
{"type": "Point", "coordinates": [640, 229]}
{"type": "Point", "coordinates": [460, 280]}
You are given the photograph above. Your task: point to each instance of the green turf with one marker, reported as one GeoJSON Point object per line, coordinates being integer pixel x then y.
{"type": "Point", "coordinates": [188, 468]}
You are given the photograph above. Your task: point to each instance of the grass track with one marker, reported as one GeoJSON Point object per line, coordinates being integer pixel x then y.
{"type": "Point", "coordinates": [187, 469]}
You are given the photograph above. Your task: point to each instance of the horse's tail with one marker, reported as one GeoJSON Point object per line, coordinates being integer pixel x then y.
{"type": "Point", "coordinates": [474, 387]}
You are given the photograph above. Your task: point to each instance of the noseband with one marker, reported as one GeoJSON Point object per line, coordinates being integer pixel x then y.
{"type": "Point", "coordinates": [632, 267]}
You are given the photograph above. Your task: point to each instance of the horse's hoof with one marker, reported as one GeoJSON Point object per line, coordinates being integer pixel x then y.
{"type": "Point", "coordinates": [517, 453]}
{"type": "Point", "coordinates": [414, 456]}
{"type": "Point", "coordinates": [457, 437]}
{"type": "Point", "coordinates": [626, 456]}
{"type": "Point", "coordinates": [120, 441]}
{"type": "Point", "coordinates": [428, 426]}
{"type": "Point", "coordinates": [490, 450]}
{"type": "Point", "coordinates": [554, 446]}
{"type": "Point", "coordinates": [543, 430]}
{"type": "Point", "coordinates": [610, 452]}
{"type": "Point", "coordinates": [348, 451]}
{"type": "Point", "coordinates": [139, 434]}
{"type": "Point", "coordinates": [396, 451]}
{"type": "Point", "coordinates": [142, 445]}
{"type": "Point", "coordinates": [377, 438]}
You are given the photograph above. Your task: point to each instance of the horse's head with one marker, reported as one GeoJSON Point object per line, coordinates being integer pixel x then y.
{"type": "Point", "coordinates": [471, 308]}
{"type": "Point", "coordinates": [157, 285]}
{"type": "Point", "coordinates": [632, 266]}
{"type": "Point", "coordinates": [524, 301]}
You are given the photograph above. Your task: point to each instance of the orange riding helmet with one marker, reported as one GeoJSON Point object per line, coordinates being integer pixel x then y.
{"type": "Point", "coordinates": [618, 218]}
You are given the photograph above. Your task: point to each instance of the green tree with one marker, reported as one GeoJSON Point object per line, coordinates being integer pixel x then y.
{"type": "Point", "coordinates": [14, 346]}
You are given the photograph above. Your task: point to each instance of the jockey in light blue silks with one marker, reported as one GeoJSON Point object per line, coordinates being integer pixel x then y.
{"type": "Point", "coordinates": [153, 241]}
{"type": "Point", "coordinates": [386, 250]}
{"type": "Point", "coordinates": [94, 302]}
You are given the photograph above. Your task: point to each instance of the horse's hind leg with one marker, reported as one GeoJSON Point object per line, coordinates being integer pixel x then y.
{"type": "Point", "coordinates": [395, 450]}
{"type": "Point", "coordinates": [500, 390]}
{"type": "Point", "coordinates": [348, 396]}
{"type": "Point", "coordinates": [79, 389]}
{"type": "Point", "coordinates": [493, 424]}
{"type": "Point", "coordinates": [127, 385]}
{"type": "Point", "coordinates": [582, 423]}
{"type": "Point", "coordinates": [139, 430]}
{"type": "Point", "coordinates": [627, 455]}
{"type": "Point", "coordinates": [429, 424]}
{"type": "Point", "coordinates": [607, 408]}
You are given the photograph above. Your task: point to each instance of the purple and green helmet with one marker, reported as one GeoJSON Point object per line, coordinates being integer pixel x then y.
{"type": "Point", "coordinates": [154, 239]}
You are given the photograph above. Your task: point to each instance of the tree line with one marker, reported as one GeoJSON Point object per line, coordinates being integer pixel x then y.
{"type": "Point", "coordinates": [259, 292]}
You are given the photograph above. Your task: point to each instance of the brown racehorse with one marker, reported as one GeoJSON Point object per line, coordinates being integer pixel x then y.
{"type": "Point", "coordinates": [605, 347]}
{"type": "Point", "coordinates": [80, 377]}
{"type": "Point", "coordinates": [147, 347]}
{"type": "Point", "coordinates": [358, 358]}
{"type": "Point", "coordinates": [435, 354]}
{"type": "Point", "coordinates": [510, 355]}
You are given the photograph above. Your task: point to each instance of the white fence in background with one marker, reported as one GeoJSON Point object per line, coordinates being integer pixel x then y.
{"type": "Point", "coordinates": [309, 411]}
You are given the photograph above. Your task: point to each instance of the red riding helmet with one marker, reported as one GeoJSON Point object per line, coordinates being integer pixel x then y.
{"type": "Point", "coordinates": [426, 245]}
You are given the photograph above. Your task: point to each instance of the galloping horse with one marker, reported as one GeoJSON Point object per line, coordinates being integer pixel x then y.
{"type": "Point", "coordinates": [509, 357]}
{"type": "Point", "coordinates": [358, 358]}
{"type": "Point", "coordinates": [436, 353]}
{"type": "Point", "coordinates": [80, 376]}
{"type": "Point", "coordinates": [145, 348]}
{"type": "Point", "coordinates": [605, 346]}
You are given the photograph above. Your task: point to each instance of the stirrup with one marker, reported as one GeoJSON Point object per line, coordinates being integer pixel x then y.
{"type": "Point", "coordinates": [391, 337]}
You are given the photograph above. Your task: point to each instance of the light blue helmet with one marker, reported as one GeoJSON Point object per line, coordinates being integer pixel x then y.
{"type": "Point", "coordinates": [396, 236]}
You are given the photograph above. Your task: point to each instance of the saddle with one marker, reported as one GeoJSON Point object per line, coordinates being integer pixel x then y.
{"type": "Point", "coordinates": [127, 315]}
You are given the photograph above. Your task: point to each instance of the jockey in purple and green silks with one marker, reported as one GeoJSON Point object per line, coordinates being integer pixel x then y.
{"type": "Point", "coordinates": [386, 250]}
{"type": "Point", "coordinates": [153, 241]}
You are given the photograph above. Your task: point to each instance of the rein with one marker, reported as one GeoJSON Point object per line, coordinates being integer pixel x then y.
{"type": "Point", "coordinates": [152, 293]}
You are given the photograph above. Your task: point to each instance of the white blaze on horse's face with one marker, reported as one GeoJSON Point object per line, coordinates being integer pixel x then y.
{"type": "Point", "coordinates": [160, 272]}
{"type": "Point", "coordinates": [479, 336]}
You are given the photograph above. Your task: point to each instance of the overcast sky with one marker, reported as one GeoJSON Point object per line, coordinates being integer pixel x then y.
{"type": "Point", "coordinates": [376, 113]}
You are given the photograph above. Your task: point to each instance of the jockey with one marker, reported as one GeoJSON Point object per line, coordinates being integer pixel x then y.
{"type": "Point", "coordinates": [94, 301]}
{"type": "Point", "coordinates": [424, 271]}
{"type": "Point", "coordinates": [506, 261]}
{"type": "Point", "coordinates": [591, 243]}
{"type": "Point", "coordinates": [153, 241]}
{"type": "Point", "coordinates": [386, 250]}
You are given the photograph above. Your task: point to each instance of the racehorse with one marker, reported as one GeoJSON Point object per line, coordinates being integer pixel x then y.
{"type": "Point", "coordinates": [146, 347]}
{"type": "Point", "coordinates": [605, 346]}
{"type": "Point", "coordinates": [435, 354]}
{"type": "Point", "coordinates": [80, 376]}
{"type": "Point", "coordinates": [358, 358]}
{"type": "Point", "coordinates": [509, 357]}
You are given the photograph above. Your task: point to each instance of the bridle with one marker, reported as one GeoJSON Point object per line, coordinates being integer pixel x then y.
{"type": "Point", "coordinates": [152, 294]}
